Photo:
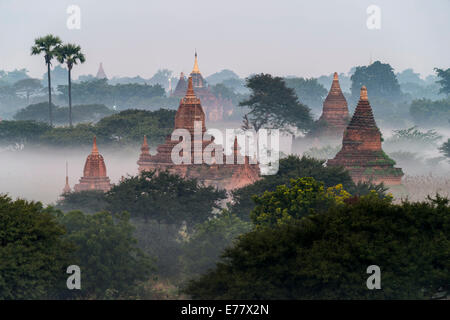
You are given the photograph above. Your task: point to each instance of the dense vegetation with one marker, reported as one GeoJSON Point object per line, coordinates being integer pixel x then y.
{"type": "Point", "coordinates": [128, 126]}
{"type": "Point", "coordinates": [325, 255]}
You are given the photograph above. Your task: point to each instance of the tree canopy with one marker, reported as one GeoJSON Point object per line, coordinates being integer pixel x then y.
{"type": "Point", "coordinates": [292, 167]}
{"type": "Point", "coordinates": [379, 79]}
{"type": "Point", "coordinates": [111, 263]}
{"type": "Point", "coordinates": [33, 254]}
{"type": "Point", "coordinates": [444, 80]}
{"type": "Point", "coordinates": [309, 91]}
{"type": "Point", "coordinates": [148, 194]}
{"type": "Point", "coordinates": [326, 255]}
{"type": "Point", "coordinates": [272, 104]}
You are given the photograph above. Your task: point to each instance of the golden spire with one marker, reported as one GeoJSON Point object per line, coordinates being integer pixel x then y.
{"type": "Point", "coordinates": [94, 146]}
{"type": "Point", "coordinates": [363, 95]}
{"type": "Point", "coordinates": [196, 69]}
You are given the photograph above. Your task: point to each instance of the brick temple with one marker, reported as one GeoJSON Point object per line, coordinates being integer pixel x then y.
{"type": "Point", "coordinates": [361, 152]}
{"type": "Point", "coordinates": [214, 107]}
{"type": "Point", "coordinates": [94, 173]}
{"type": "Point", "coordinates": [225, 176]}
{"type": "Point", "coordinates": [335, 109]}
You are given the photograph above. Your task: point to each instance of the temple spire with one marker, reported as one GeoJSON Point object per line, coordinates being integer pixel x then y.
{"type": "Point", "coordinates": [190, 90]}
{"type": "Point", "coordinates": [94, 146]}
{"type": "Point", "coordinates": [196, 69]}
{"type": "Point", "coordinates": [145, 148]}
{"type": "Point", "coordinates": [67, 186]}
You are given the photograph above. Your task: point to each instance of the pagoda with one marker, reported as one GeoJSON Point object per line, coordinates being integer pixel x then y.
{"type": "Point", "coordinates": [214, 107]}
{"type": "Point", "coordinates": [361, 152]}
{"type": "Point", "coordinates": [181, 87]}
{"type": "Point", "coordinates": [94, 173]}
{"type": "Point", "coordinates": [335, 110]}
{"type": "Point", "coordinates": [67, 188]}
{"type": "Point", "coordinates": [101, 73]}
{"type": "Point", "coordinates": [226, 175]}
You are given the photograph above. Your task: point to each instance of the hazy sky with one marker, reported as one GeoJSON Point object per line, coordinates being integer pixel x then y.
{"type": "Point", "coordinates": [283, 37]}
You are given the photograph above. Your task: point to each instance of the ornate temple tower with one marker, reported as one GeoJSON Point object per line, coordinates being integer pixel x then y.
{"type": "Point", "coordinates": [361, 151]}
{"type": "Point", "coordinates": [94, 173]}
{"type": "Point", "coordinates": [225, 175]}
{"type": "Point", "coordinates": [335, 110]}
{"type": "Point", "coordinates": [101, 73]}
{"type": "Point", "coordinates": [213, 106]}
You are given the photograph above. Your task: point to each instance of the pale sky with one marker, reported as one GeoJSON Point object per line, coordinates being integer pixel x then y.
{"type": "Point", "coordinates": [282, 37]}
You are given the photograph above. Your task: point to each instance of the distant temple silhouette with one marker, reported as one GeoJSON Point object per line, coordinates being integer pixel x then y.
{"type": "Point", "coordinates": [101, 73]}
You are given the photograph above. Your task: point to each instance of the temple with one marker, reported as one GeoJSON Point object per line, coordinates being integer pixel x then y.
{"type": "Point", "coordinates": [335, 116]}
{"type": "Point", "coordinates": [101, 73]}
{"type": "Point", "coordinates": [214, 107]}
{"type": "Point", "coordinates": [67, 188]}
{"type": "Point", "coordinates": [361, 152]}
{"type": "Point", "coordinates": [223, 175]}
{"type": "Point", "coordinates": [94, 173]}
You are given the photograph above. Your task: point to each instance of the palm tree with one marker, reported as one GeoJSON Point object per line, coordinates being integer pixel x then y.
{"type": "Point", "coordinates": [70, 54]}
{"type": "Point", "coordinates": [48, 46]}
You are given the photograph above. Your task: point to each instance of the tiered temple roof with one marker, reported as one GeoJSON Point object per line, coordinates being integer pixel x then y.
{"type": "Point", "coordinates": [335, 114]}
{"type": "Point", "coordinates": [226, 175]}
{"type": "Point", "coordinates": [361, 151]}
{"type": "Point", "coordinates": [214, 108]}
{"type": "Point", "coordinates": [94, 173]}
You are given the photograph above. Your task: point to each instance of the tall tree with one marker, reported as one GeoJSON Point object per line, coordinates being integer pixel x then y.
{"type": "Point", "coordinates": [48, 46]}
{"type": "Point", "coordinates": [445, 149]}
{"type": "Point", "coordinates": [70, 54]}
{"type": "Point", "coordinates": [273, 104]}
{"type": "Point", "coordinates": [444, 81]}
{"type": "Point", "coordinates": [380, 80]}
{"type": "Point", "coordinates": [28, 86]}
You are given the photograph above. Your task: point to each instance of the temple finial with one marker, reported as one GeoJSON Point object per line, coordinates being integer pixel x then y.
{"type": "Point", "coordinates": [363, 95]}
{"type": "Point", "coordinates": [94, 146]}
{"type": "Point", "coordinates": [196, 69]}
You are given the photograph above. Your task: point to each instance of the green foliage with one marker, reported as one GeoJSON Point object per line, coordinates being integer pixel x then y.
{"type": "Point", "coordinates": [273, 104]}
{"type": "Point", "coordinates": [28, 86]}
{"type": "Point", "coordinates": [164, 197]}
{"type": "Point", "coordinates": [106, 254]}
{"type": "Point", "coordinates": [380, 80]}
{"type": "Point", "coordinates": [116, 130]}
{"type": "Point", "coordinates": [202, 250]}
{"type": "Point", "coordinates": [292, 167]}
{"type": "Point", "coordinates": [12, 132]}
{"type": "Point", "coordinates": [98, 91]}
{"type": "Point", "coordinates": [286, 204]}
{"type": "Point", "coordinates": [430, 113]}
{"type": "Point", "coordinates": [324, 153]}
{"type": "Point", "coordinates": [326, 255]}
{"type": "Point", "coordinates": [309, 91]}
{"type": "Point", "coordinates": [79, 135]}
{"type": "Point", "coordinates": [445, 148]}
{"type": "Point", "coordinates": [414, 136]}
{"type": "Point", "coordinates": [88, 201]}
{"type": "Point", "coordinates": [444, 80]}
{"type": "Point", "coordinates": [80, 113]}
{"type": "Point", "coordinates": [131, 126]}
{"type": "Point", "coordinates": [33, 254]}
